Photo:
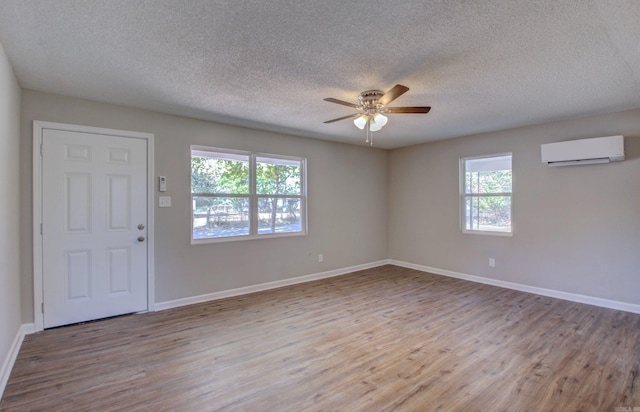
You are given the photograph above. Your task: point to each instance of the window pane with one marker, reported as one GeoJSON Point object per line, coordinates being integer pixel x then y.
{"type": "Point", "coordinates": [488, 175]}
{"type": "Point", "coordinates": [219, 173]}
{"type": "Point", "coordinates": [279, 215]}
{"type": "Point", "coordinates": [498, 181]}
{"type": "Point", "coordinates": [220, 216]}
{"type": "Point", "coordinates": [488, 213]}
{"type": "Point", "coordinates": [278, 176]}
{"type": "Point", "coordinates": [485, 164]}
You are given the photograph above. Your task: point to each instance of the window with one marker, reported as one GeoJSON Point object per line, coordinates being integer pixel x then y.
{"type": "Point", "coordinates": [241, 195]}
{"type": "Point", "coordinates": [485, 200]}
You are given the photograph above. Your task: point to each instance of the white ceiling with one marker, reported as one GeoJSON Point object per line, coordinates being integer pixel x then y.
{"type": "Point", "coordinates": [481, 65]}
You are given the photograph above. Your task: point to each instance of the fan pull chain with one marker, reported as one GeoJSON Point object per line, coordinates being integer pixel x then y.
{"type": "Point", "coordinates": [369, 134]}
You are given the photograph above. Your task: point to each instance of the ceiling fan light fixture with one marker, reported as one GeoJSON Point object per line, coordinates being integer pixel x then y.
{"type": "Point", "coordinates": [373, 126]}
{"type": "Point", "coordinates": [380, 120]}
{"type": "Point", "coordinates": [361, 121]}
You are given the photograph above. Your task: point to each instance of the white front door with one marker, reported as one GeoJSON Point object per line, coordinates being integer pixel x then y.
{"type": "Point", "coordinates": [94, 226]}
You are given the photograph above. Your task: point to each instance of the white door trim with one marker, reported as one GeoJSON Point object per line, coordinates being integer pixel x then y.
{"type": "Point", "coordinates": [38, 127]}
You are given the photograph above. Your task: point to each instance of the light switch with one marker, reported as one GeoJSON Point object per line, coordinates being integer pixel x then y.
{"type": "Point", "coordinates": [164, 201]}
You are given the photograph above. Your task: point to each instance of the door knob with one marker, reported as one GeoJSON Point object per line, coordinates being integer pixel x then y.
{"type": "Point", "coordinates": [141, 239]}
{"type": "Point", "coordinates": [140, 226]}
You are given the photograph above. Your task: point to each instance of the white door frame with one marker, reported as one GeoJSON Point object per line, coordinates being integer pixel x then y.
{"type": "Point", "coordinates": [38, 126]}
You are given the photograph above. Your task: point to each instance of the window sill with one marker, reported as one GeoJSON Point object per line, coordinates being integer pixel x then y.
{"type": "Point", "coordinates": [245, 237]}
{"type": "Point", "coordinates": [488, 233]}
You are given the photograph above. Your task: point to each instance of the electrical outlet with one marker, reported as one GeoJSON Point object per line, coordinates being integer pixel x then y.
{"type": "Point", "coordinates": [492, 262]}
{"type": "Point", "coordinates": [320, 258]}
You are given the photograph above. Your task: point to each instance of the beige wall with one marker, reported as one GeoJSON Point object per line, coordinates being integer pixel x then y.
{"type": "Point", "coordinates": [9, 207]}
{"type": "Point", "coordinates": [347, 188]}
{"type": "Point", "coordinates": [576, 229]}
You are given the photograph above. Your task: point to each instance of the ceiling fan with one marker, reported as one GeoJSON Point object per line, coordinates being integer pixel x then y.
{"type": "Point", "coordinates": [373, 107]}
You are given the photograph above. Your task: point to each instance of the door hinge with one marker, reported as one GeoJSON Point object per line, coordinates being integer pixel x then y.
{"type": "Point", "coordinates": [41, 149]}
{"type": "Point", "coordinates": [42, 307]}
{"type": "Point", "coordinates": [40, 228]}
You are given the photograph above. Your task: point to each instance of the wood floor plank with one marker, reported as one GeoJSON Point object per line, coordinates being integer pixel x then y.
{"type": "Point", "coordinates": [387, 338]}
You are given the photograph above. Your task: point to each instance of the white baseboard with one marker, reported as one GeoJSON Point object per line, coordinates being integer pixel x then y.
{"type": "Point", "coordinates": [590, 300]}
{"type": "Point", "coordinates": [10, 359]}
{"type": "Point", "coordinates": [28, 328]}
{"type": "Point", "coordinates": [264, 286]}
{"type": "Point", "coordinates": [573, 297]}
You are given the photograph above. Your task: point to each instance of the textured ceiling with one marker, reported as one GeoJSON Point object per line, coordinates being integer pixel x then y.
{"type": "Point", "coordinates": [481, 65]}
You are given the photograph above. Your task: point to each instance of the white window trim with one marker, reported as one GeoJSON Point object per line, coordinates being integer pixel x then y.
{"type": "Point", "coordinates": [464, 195]}
{"type": "Point", "coordinates": [253, 196]}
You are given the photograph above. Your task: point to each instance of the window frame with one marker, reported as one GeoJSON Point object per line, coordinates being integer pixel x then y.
{"type": "Point", "coordinates": [252, 195]}
{"type": "Point", "coordinates": [464, 196]}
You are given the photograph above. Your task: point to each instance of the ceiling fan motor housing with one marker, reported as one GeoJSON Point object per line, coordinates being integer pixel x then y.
{"type": "Point", "coordinates": [369, 100]}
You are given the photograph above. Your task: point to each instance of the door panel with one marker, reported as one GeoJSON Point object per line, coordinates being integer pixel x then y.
{"type": "Point", "coordinates": [118, 202]}
{"type": "Point", "coordinates": [77, 205]}
{"type": "Point", "coordinates": [94, 197]}
{"type": "Point", "coordinates": [119, 270]}
{"type": "Point", "coordinates": [77, 274]}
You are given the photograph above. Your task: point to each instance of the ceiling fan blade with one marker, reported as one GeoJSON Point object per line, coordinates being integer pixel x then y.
{"type": "Point", "coordinates": [395, 92]}
{"type": "Point", "coordinates": [342, 102]}
{"type": "Point", "coordinates": [423, 109]}
{"type": "Point", "coordinates": [344, 117]}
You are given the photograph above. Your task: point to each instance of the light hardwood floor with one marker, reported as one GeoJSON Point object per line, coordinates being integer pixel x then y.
{"type": "Point", "coordinates": [388, 338]}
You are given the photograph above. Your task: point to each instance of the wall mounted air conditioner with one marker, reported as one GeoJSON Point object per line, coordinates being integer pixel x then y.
{"type": "Point", "coordinates": [583, 152]}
